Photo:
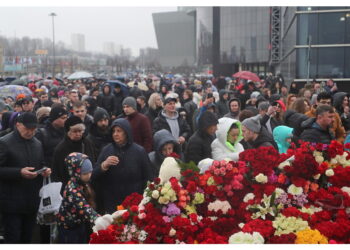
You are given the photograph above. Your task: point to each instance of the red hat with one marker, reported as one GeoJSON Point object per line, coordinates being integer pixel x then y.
{"type": "Point", "coordinates": [283, 106]}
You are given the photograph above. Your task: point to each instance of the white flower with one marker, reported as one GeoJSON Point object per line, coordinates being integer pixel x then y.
{"type": "Point", "coordinates": [316, 177]}
{"type": "Point", "coordinates": [319, 159]}
{"type": "Point", "coordinates": [155, 194]}
{"type": "Point", "coordinates": [143, 235]}
{"type": "Point", "coordinates": [248, 197]}
{"type": "Point", "coordinates": [217, 205]}
{"type": "Point", "coordinates": [333, 161]}
{"type": "Point", "coordinates": [283, 164]}
{"type": "Point", "coordinates": [261, 178]}
{"type": "Point", "coordinates": [329, 172]}
{"type": "Point", "coordinates": [346, 190]}
{"type": "Point", "coordinates": [294, 190]}
{"type": "Point", "coordinates": [172, 232]}
{"type": "Point", "coordinates": [169, 168]}
{"type": "Point", "coordinates": [278, 192]}
{"type": "Point", "coordinates": [246, 238]}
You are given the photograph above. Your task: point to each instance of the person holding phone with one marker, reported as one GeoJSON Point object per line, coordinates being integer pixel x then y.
{"type": "Point", "coordinates": [21, 155]}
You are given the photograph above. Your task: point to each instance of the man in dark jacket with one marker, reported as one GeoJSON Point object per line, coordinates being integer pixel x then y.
{"type": "Point", "coordinates": [118, 101]}
{"type": "Point", "coordinates": [99, 133]}
{"type": "Point", "coordinates": [106, 99]}
{"type": "Point", "coordinates": [255, 134]}
{"type": "Point", "coordinates": [123, 167]}
{"type": "Point", "coordinates": [223, 103]}
{"type": "Point", "coordinates": [141, 104]}
{"type": "Point", "coordinates": [21, 155]}
{"type": "Point", "coordinates": [73, 141]}
{"type": "Point", "coordinates": [189, 106]}
{"type": "Point", "coordinates": [140, 124]}
{"type": "Point", "coordinates": [198, 147]}
{"type": "Point", "coordinates": [170, 120]}
{"type": "Point", "coordinates": [53, 132]}
{"type": "Point", "coordinates": [318, 129]}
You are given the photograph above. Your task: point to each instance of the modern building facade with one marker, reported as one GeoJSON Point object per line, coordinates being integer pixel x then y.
{"type": "Point", "coordinates": [175, 32]}
{"type": "Point", "coordinates": [78, 42]}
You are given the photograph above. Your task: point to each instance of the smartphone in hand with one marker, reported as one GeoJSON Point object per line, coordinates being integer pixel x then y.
{"type": "Point", "coordinates": [40, 170]}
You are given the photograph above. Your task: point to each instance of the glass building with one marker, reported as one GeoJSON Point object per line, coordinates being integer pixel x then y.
{"type": "Point", "coordinates": [316, 43]}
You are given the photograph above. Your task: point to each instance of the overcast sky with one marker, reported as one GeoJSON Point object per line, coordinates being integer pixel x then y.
{"type": "Point", "coordinates": [131, 27]}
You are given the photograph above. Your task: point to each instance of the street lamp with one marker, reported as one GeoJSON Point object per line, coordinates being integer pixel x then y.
{"type": "Point", "coordinates": [53, 42]}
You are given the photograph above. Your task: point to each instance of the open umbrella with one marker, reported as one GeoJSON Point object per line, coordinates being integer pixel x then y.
{"type": "Point", "coordinates": [140, 85]}
{"type": "Point", "coordinates": [79, 75]}
{"type": "Point", "coordinates": [14, 90]}
{"type": "Point", "coordinates": [123, 86]}
{"type": "Point", "coordinates": [18, 82]}
{"type": "Point", "coordinates": [247, 75]}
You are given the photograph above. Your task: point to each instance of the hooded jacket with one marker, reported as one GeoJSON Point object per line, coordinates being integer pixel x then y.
{"type": "Point", "coordinates": [280, 134]}
{"type": "Point", "coordinates": [198, 147]}
{"type": "Point", "coordinates": [222, 104]}
{"type": "Point", "coordinates": [75, 208]}
{"type": "Point", "coordinates": [314, 133]}
{"type": "Point", "coordinates": [130, 175]}
{"type": "Point", "coordinates": [264, 139]}
{"type": "Point", "coordinates": [106, 101]}
{"type": "Point", "coordinates": [221, 148]}
{"type": "Point", "coordinates": [235, 114]}
{"type": "Point", "coordinates": [161, 138]}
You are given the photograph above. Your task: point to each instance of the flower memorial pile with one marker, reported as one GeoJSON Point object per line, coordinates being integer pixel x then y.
{"type": "Point", "coordinates": [300, 197]}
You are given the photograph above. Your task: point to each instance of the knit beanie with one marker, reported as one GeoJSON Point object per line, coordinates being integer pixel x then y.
{"type": "Point", "coordinates": [131, 102]}
{"type": "Point", "coordinates": [86, 167]}
{"type": "Point", "coordinates": [100, 114]}
{"type": "Point", "coordinates": [253, 124]}
{"type": "Point", "coordinates": [56, 112]}
{"type": "Point", "coordinates": [71, 121]}
{"type": "Point", "coordinates": [254, 95]}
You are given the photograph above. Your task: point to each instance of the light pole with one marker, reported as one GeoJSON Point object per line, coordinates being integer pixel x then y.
{"type": "Point", "coordinates": [53, 42]}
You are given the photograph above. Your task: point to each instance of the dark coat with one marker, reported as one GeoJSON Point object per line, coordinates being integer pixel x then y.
{"type": "Point", "coordinates": [273, 122]}
{"type": "Point", "coordinates": [190, 108]}
{"type": "Point", "coordinates": [199, 145]}
{"type": "Point", "coordinates": [152, 114]}
{"type": "Point", "coordinates": [130, 175]}
{"type": "Point", "coordinates": [314, 133]}
{"type": "Point", "coordinates": [161, 123]}
{"type": "Point", "coordinates": [63, 149]}
{"type": "Point", "coordinates": [141, 130]}
{"type": "Point", "coordinates": [106, 101]}
{"type": "Point", "coordinates": [222, 105]}
{"type": "Point", "coordinates": [161, 138]}
{"type": "Point", "coordinates": [49, 138]}
{"type": "Point", "coordinates": [264, 139]}
{"type": "Point", "coordinates": [17, 194]}
{"type": "Point", "coordinates": [118, 103]}
{"type": "Point", "coordinates": [98, 138]}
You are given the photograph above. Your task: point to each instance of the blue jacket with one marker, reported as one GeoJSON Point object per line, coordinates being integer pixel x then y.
{"type": "Point", "coordinates": [130, 175]}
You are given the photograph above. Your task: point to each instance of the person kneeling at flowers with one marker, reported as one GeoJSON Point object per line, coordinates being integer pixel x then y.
{"type": "Point", "coordinates": [122, 168]}
{"type": "Point", "coordinates": [77, 212]}
{"type": "Point", "coordinates": [226, 145]}
{"type": "Point", "coordinates": [164, 145]}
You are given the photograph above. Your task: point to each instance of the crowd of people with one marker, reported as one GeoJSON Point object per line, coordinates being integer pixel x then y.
{"type": "Point", "coordinates": [104, 140]}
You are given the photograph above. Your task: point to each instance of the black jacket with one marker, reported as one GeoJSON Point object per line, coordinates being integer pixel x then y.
{"type": "Point", "coordinates": [49, 138]}
{"type": "Point", "coordinates": [106, 101]}
{"type": "Point", "coordinates": [98, 138]}
{"type": "Point", "coordinates": [264, 139]}
{"type": "Point", "coordinates": [161, 123]}
{"type": "Point", "coordinates": [190, 108]}
{"type": "Point", "coordinates": [222, 104]}
{"type": "Point", "coordinates": [130, 175]}
{"type": "Point", "coordinates": [152, 114]}
{"type": "Point", "coordinates": [17, 194]}
{"type": "Point", "coordinates": [63, 149]}
{"type": "Point", "coordinates": [314, 133]}
{"type": "Point", "coordinates": [199, 145]}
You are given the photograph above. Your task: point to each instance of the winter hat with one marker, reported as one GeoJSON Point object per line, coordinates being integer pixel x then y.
{"type": "Point", "coordinates": [253, 124]}
{"type": "Point", "coordinates": [56, 112]}
{"type": "Point", "coordinates": [100, 114]}
{"type": "Point", "coordinates": [169, 99]}
{"type": "Point", "coordinates": [131, 102]}
{"type": "Point", "coordinates": [86, 167]}
{"type": "Point", "coordinates": [28, 119]}
{"type": "Point", "coordinates": [283, 106]}
{"type": "Point", "coordinates": [254, 95]}
{"type": "Point", "coordinates": [71, 121]}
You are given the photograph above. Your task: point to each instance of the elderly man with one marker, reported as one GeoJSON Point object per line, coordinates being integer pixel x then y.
{"type": "Point", "coordinates": [21, 155]}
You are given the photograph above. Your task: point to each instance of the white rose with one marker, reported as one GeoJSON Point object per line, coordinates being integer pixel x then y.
{"type": "Point", "coordinates": [333, 161]}
{"type": "Point", "coordinates": [261, 178]}
{"type": "Point", "coordinates": [319, 159]}
{"type": "Point", "coordinates": [294, 190]}
{"type": "Point", "coordinates": [346, 190]}
{"type": "Point", "coordinates": [278, 192]}
{"type": "Point", "coordinates": [329, 172]}
{"type": "Point", "coordinates": [155, 194]}
{"type": "Point", "coordinates": [316, 177]}
{"type": "Point", "coordinates": [248, 197]}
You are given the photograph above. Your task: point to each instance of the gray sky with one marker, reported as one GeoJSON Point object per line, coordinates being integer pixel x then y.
{"type": "Point", "coordinates": [131, 27]}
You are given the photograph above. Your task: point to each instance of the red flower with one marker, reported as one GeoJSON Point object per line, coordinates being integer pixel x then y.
{"type": "Point", "coordinates": [283, 239]}
{"type": "Point", "coordinates": [264, 227]}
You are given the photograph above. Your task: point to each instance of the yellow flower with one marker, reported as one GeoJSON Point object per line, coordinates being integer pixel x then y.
{"type": "Point", "coordinates": [198, 198]}
{"type": "Point", "coordinates": [310, 236]}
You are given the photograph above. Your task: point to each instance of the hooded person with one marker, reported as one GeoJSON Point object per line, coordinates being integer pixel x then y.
{"type": "Point", "coordinates": [122, 168]}
{"type": "Point", "coordinates": [226, 145]}
{"type": "Point", "coordinates": [91, 105]}
{"type": "Point", "coordinates": [341, 104]}
{"type": "Point", "coordinates": [234, 106]}
{"type": "Point", "coordinates": [164, 146]}
{"type": "Point", "coordinates": [283, 137]}
{"type": "Point", "coordinates": [198, 147]}
{"type": "Point", "coordinates": [222, 104]}
{"type": "Point", "coordinates": [77, 212]}
{"type": "Point", "coordinates": [106, 99]}
{"type": "Point", "coordinates": [73, 141]}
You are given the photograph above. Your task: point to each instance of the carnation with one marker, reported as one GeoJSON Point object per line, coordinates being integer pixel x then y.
{"type": "Point", "coordinates": [309, 236]}
{"type": "Point", "coordinates": [217, 205]}
{"type": "Point", "coordinates": [286, 225]}
{"type": "Point", "coordinates": [329, 172]}
{"type": "Point", "coordinates": [246, 238]}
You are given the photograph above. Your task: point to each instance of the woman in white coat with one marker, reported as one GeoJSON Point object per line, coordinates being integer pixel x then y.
{"type": "Point", "coordinates": [226, 145]}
